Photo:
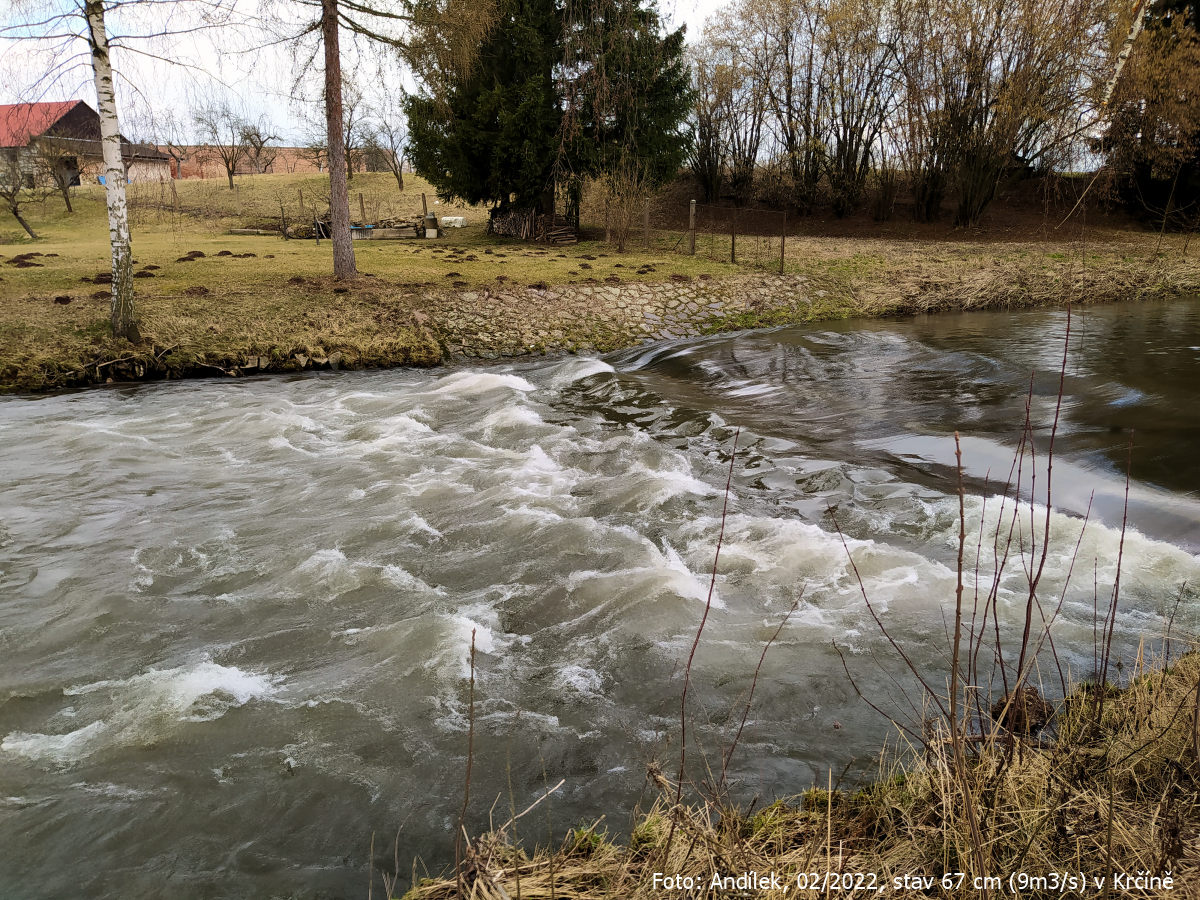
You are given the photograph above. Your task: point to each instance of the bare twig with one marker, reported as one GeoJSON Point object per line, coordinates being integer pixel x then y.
{"type": "Point", "coordinates": [462, 816]}
{"type": "Point", "coordinates": [1111, 618]}
{"type": "Point", "coordinates": [687, 673]}
{"type": "Point", "coordinates": [532, 805]}
{"type": "Point", "coordinates": [754, 684]}
{"type": "Point", "coordinates": [932, 694]}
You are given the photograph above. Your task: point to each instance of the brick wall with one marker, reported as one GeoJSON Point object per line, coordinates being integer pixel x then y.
{"type": "Point", "coordinates": [203, 162]}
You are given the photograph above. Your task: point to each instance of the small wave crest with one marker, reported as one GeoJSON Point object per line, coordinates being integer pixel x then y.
{"type": "Point", "coordinates": [466, 384]}
{"type": "Point", "coordinates": [144, 708]}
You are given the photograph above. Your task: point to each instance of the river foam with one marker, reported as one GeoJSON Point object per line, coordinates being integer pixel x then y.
{"type": "Point", "coordinates": [143, 708]}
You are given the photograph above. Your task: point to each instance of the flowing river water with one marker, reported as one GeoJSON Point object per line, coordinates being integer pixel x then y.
{"type": "Point", "coordinates": [235, 616]}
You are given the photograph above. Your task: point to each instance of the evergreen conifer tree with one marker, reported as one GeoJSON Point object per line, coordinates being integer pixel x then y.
{"type": "Point", "coordinates": [493, 135]}
{"type": "Point", "coordinates": [560, 90]}
{"type": "Point", "coordinates": [632, 91]}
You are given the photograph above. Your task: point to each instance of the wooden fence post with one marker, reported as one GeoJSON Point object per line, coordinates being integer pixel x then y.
{"type": "Point", "coordinates": [362, 209]}
{"type": "Point", "coordinates": [692, 229]}
{"type": "Point", "coordinates": [733, 236]}
{"type": "Point", "coordinates": [782, 241]}
{"type": "Point", "coordinates": [646, 225]}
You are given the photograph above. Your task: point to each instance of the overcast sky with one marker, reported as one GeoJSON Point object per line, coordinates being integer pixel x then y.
{"type": "Point", "coordinates": [264, 79]}
{"type": "Point", "coordinates": [692, 12]}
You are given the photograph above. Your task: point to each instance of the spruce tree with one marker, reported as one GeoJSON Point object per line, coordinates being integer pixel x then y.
{"type": "Point", "coordinates": [632, 91]}
{"type": "Point", "coordinates": [492, 136]}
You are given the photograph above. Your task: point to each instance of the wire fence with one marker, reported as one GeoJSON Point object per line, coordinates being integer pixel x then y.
{"type": "Point", "coordinates": [744, 236]}
{"type": "Point", "coordinates": [751, 237]}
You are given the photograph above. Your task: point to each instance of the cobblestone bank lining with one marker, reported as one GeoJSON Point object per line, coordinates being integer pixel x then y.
{"type": "Point", "coordinates": [497, 322]}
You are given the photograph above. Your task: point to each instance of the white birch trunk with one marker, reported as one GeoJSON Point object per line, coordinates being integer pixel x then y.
{"type": "Point", "coordinates": [1139, 21]}
{"type": "Point", "coordinates": [123, 323]}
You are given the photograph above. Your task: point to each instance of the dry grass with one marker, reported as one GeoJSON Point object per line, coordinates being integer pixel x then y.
{"type": "Point", "coordinates": [873, 278]}
{"type": "Point", "coordinates": [1116, 795]}
{"type": "Point", "coordinates": [250, 302]}
{"type": "Point", "coordinates": [883, 277]}
{"type": "Point", "coordinates": [209, 313]}
{"type": "Point", "coordinates": [256, 200]}
{"type": "Point", "coordinates": [161, 238]}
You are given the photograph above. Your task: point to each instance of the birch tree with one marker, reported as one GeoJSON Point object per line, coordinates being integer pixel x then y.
{"type": "Point", "coordinates": [1153, 138]}
{"type": "Point", "coordinates": [75, 33]}
{"type": "Point", "coordinates": [124, 325]}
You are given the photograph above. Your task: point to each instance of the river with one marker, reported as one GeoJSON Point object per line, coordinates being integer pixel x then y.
{"type": "Point", "coordinates": [235, 616]}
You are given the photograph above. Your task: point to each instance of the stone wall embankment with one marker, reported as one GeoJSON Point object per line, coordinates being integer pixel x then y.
{"type": "Point", "coordinates": [513, 321]}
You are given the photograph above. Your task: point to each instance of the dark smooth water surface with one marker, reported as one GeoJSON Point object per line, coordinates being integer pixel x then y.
{"type": "Point", "coordinates": [235, 616]}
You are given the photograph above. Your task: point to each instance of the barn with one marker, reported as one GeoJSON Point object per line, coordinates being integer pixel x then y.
{"type": "Point", "coordinates": [59, 143]}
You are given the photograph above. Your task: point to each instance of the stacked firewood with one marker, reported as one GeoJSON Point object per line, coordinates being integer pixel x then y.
{"type": "Point", "coordinates": [529, 225]}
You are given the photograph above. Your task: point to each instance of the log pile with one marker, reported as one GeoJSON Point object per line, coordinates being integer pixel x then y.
{"type": "Point", "coordinates": [530, 225]}
{"type": "Point", "coordinates": [560, 235]}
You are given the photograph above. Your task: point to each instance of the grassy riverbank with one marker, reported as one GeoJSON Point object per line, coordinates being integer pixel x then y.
{"type": "Point", "coordinates": [1118, 793]}
{"type": "Point", "coordinates": [214, 303]}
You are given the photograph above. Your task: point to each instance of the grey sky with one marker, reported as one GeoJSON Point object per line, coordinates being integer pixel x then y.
{"type": "Point", "coordinates": [263, 80]}
{"type": "Point", "coordinates": [692, 12]}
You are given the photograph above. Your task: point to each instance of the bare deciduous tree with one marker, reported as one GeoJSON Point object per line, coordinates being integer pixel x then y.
{"type": "Point", "coordinates": [988, 85]}
{"type": "Point", "coordinates": [168, 135]}
{"type": "Point", "coordinates": [355, 127]}
{"type": "Point", "coordinates": [316, 151]}
{"type": "Point", "coordinates": [16, 188]}
{"type": "Point", "coordinates": [221, 128]}
{"type": "Point", "coordinates": [425, 33]}
{"type": "Point", "coordinates": [707, 155]}
{"type": "Point", "coordinates": [855, 38]}
{"type": "Point", "coordinates": [256, 138]}
{"type": "Point", "coordinates": [58, 164]}
{"type": "Point", "coordinates": [744, 66]}
{"type": "Point", "coordinates": [962, 92]}
{"type": "Point", "coordinates": [387, 141]}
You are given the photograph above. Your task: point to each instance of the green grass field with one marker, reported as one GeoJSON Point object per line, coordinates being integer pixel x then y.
{"type": "Point", "coordinates": [170, 220]}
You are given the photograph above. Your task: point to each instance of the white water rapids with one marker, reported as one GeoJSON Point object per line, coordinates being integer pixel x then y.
{"type": "Point", "coordinates": [235, 617]}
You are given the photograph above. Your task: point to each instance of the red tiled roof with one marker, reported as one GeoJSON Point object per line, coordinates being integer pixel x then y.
{"type": "Point", "coordinates": [21, 121]}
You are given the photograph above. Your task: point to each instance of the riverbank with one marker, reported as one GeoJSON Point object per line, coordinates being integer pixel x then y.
{"type": "Point", "coordinates": [51, 341]}
{"type": "Point", "coordinates": [212, 303]}
{"type": "Point", "coordinates": [1110, 808]}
